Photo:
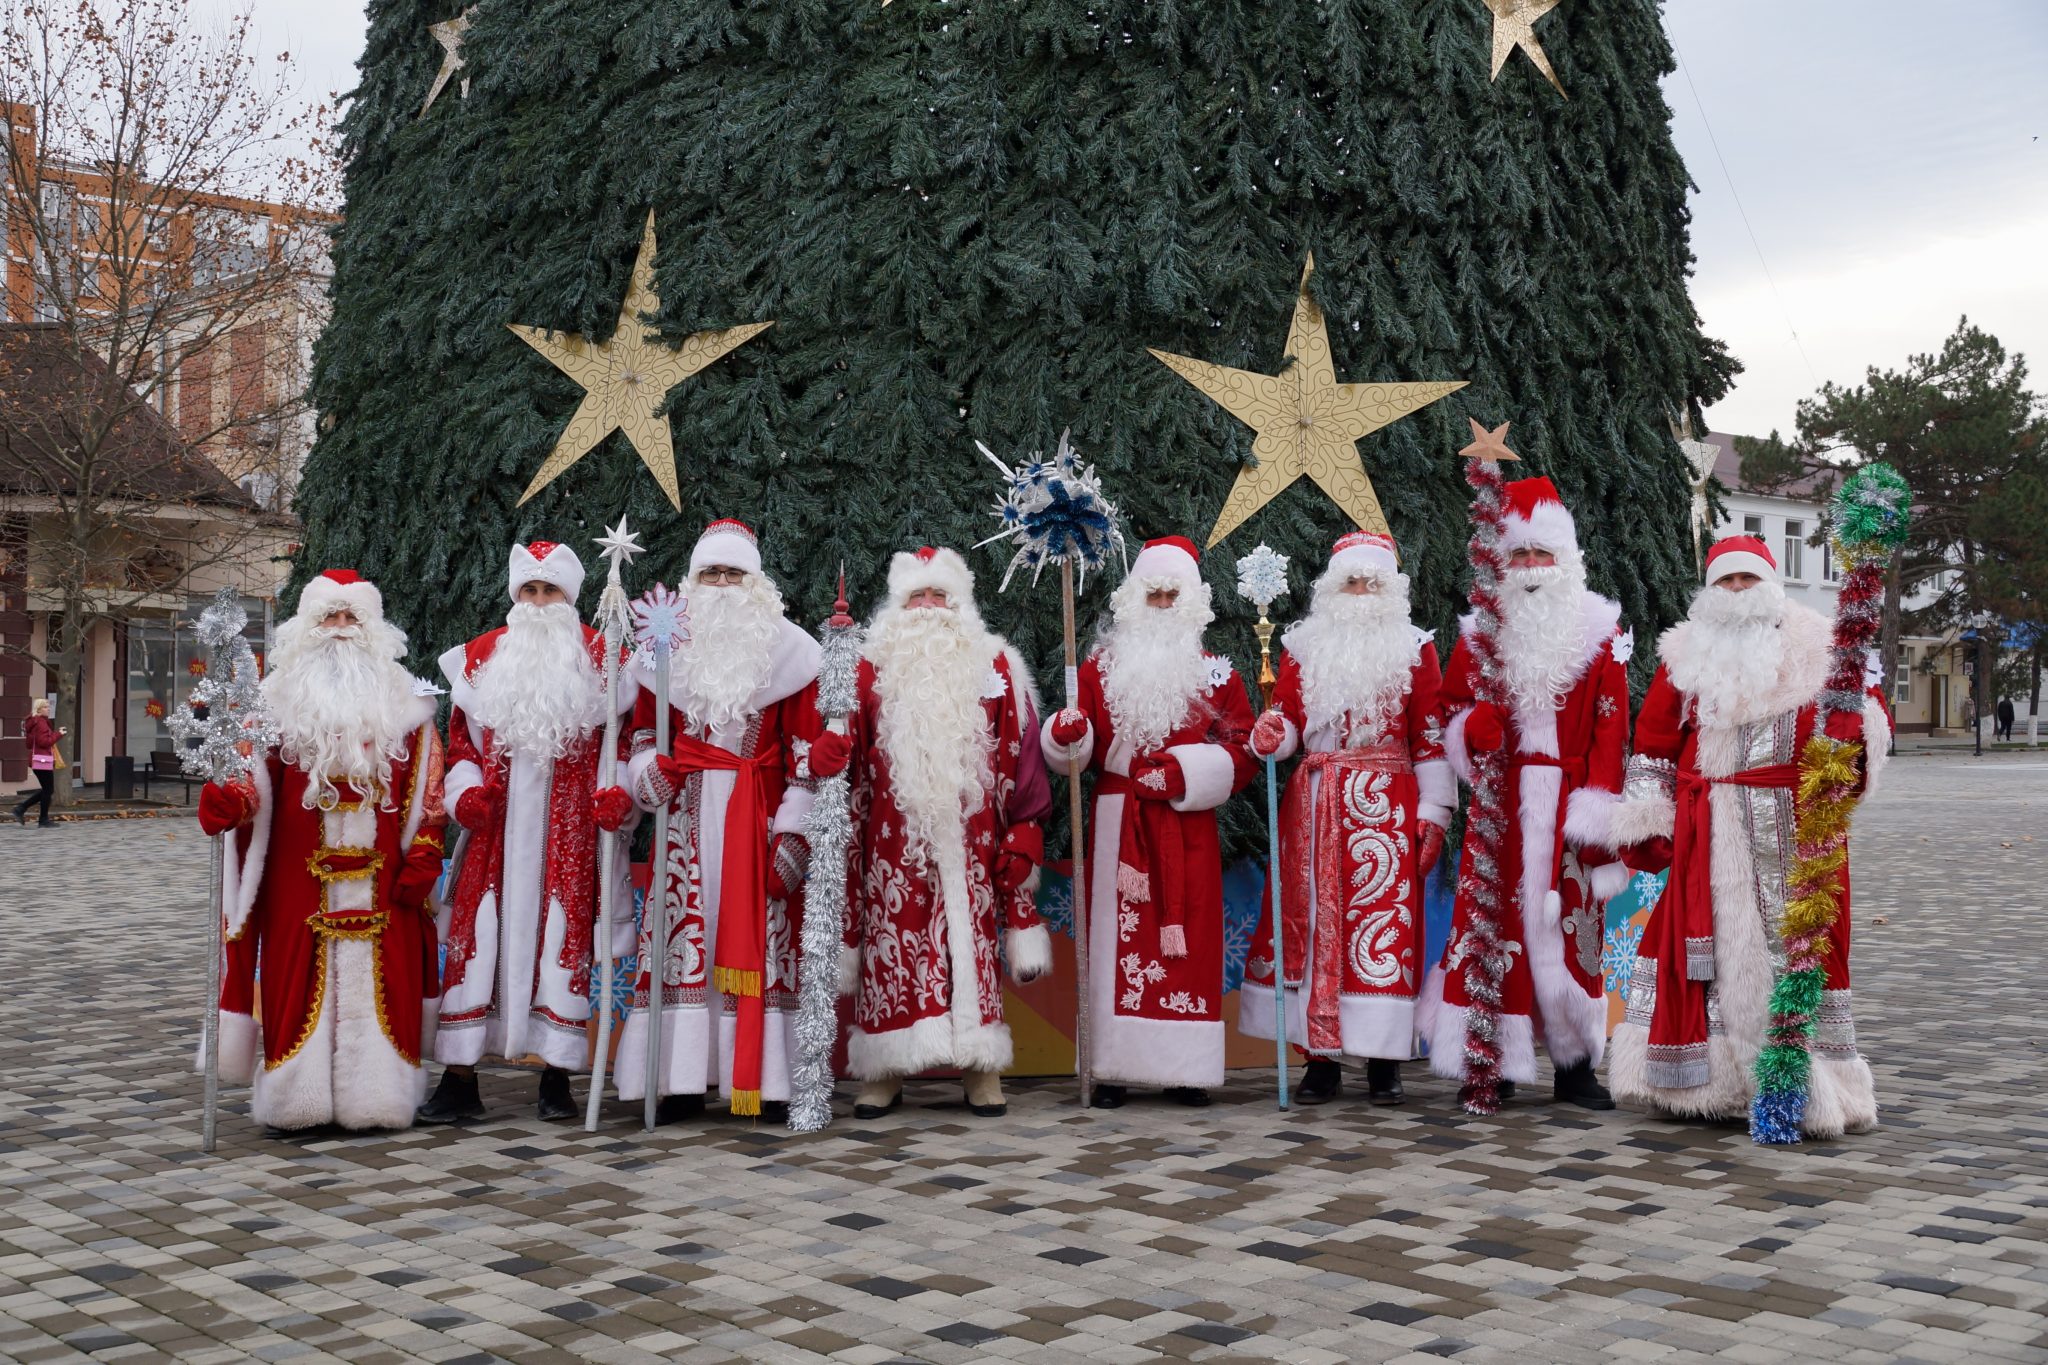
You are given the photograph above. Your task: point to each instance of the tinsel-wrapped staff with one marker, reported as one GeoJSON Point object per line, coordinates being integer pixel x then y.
{"type": "Point", "coordinates": [224, 746]}
{"type": "Point", "coordinates": [829, 830]}
{"type": "Point", "coordinates": [1871, 513]}
{"type": "Point", "coordinates": [1486, 958]}
{"type": "Point", "coordinates": [614, 618]}
{"type": "Point", "coordinates": [1262, 577]}
{"type": "Point", "coordinates": [1055, 512]}
{"type": "Point", "coordinates": [661, 625]}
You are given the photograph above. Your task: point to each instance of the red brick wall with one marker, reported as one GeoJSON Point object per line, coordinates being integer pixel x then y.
{"type": "Point", "coordinates": [195, 396]}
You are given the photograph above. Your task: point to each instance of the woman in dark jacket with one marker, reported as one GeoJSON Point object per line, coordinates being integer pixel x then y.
{"type": "Point", "coordinates": [42, 736]}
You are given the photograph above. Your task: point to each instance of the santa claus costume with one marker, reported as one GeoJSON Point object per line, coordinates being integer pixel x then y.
{"type": "Point", "coordinates": [948, 789]}
{"type": "Point", "coordinates": [742, 706]}
{"type": "Point", "coordinates": [1361, 825]}
{"type": "Point", "coordinates": [1713, 793]}
{"type": "Point", "coordinates": [1164, 723]}
{"type": "Point", "coordinates": [523, 741]}
{"type": "Point", "coordinates": [337, 845]}
{"type": "Point", "coordinates": [1565, 731]}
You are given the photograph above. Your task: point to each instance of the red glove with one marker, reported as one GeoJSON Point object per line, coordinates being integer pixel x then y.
{"type": "Point", "coordinates": [1484, 730]}
{"type": "Point", "coordinates": [222, 808]}
{"type": "Point", "coordinates": [1022, 851]}
{"type": "Point", "coordinates": [1429, 846]}
{"type": "Point", "coordinates": [1159, 778]}
{"type": "Point", "coordinates": [1269, 734]}
{"type": "Point", "coordinates": [476, 807]}
{"type": "Point", "coordinates": [786, 862]}
{"type": "Point", "coordinates": [1069, 727]}
{"type": "Point", "coordinates": [1846, 726]}
{"type": "Point", "coordinates": [416, 876]}
{"type": "Point", "coordinates": [612, 806]}
{"type": "Point", "coordinates": [829, 754]}
{"type": "Point", "coordinates": [1651, 855]}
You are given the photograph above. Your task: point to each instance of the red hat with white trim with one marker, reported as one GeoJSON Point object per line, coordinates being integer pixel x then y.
{"type": "Point", "coordinates": [731, 544]}
{"type": "Point", "coordinates": [544, 561]}
{"type": "Point", "coordinates": [1740, 554]}
{"type": "Point", "coordinates": [1365, 552]}
{"type": "Point", "coordinates": [335, 589]}
{"type": "Point", "coordinates": [931, 567]}
{"type": "Point", "coordinates": [1169, 557]}
{"type": "Point", "coordinates": [1537, 519]}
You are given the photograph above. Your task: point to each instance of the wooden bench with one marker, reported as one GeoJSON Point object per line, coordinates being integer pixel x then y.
{"type": "Point", "coordinates": [165, 766]}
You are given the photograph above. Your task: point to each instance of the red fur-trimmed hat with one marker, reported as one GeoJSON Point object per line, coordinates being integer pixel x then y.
{"type": "Point", "coordinates": [544, 561]}
{"type": "Point", "coordinates": [1363, 552]}
{"type": "Point", "coordinates": [1740, 554]}
{"type": "Point", "coordinates": [1169, 557]}
{"type": "Point", "coordinates": [1537, 519]}
{"type": "Point", "coordinates": [334, 589]}
{"type": "Point", "coordinates": [729, 543]}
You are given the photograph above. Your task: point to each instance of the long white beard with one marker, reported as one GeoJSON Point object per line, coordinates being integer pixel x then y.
{"type": "Point", "coordinates": [1543, 633]}
{"type": "Point", "coordinates": [1357, 658]}
{"type": "Point", "coordinates": [1153, 667]}
{"type": "Point", "coordinates": [344, 707]}
{"type": "Point", "coordinates": [539, 693]}
{"type": "Point", "coordinates": [730, 652]}
{"type": "Point", "coordinates": [1735, 650]}
{"type": "Point", "coordinates": [931, 666]}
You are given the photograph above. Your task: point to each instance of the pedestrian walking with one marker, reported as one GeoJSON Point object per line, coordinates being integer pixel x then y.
{"type": "Point", "coordinates": [2005, 719]}
{"type": "Point", "coordinates": [42, 735]}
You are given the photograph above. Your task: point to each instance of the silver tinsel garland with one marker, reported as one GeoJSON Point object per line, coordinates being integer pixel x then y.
{"type": "Point", "coordinates": [230, 741]}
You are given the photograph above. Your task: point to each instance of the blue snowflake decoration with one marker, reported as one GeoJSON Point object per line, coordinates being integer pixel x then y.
{"type": "Point", "coordinates": [1618, 956]}
{"type": "Point", "coordinates": [1056, 904]}
{"type": "Point", "coordinates": [1055, 511]}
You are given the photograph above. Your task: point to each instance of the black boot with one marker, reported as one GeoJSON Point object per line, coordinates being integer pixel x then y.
{"type": "Point", "coordinates": [454, 1100]}
{"type": "Point", "coordinates": [1320, 1082]}
{"type": "Point", "coordinates": [1108, 1096]}
{"type": "Point", "coordinates": [1192, 1096]}
{"type": "Point", "coordinates": [556, 1103]}
{"type": "Point", "coordinates": [1383, 1081]}
{"type": "Point", "coordinates": [775, 1111]}
{"type": "Point", "coordinates": [21, 814]}
{"type": "Point", "coordinates": [1506, 1090]}
{"type": "Point", "coordinates": [1576, 1084]}
{"type": "Point", "coordinates": [676, 1108]}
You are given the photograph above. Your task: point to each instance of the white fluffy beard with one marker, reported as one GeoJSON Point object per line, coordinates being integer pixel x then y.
{"type": "Point", "coordinates": [1543, 632]}
{"type": "Point", "coordinates": [730, 652]}
{"type": "Point", "coordinates": [1357, 656]}
{"type": "Point", "coordinates": [930, 667]}
{"type": "Point", "coordinates": [539, 693]}
{"type": "Point", "coordinates": [1153, 667]}
{"type": "Point", "coordinates": [1730, 667]}
{"type": "Point", "coordinates": [344, 706]}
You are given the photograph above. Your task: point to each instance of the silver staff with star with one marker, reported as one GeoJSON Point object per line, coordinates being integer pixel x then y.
{"type": "Point", "coordinates": [1262, 577]}
{"type": "Point", "coordinates": [618, 545]}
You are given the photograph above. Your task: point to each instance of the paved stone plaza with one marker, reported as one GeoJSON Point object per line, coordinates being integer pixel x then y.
{"type": "Point", "coordinates": [1235, 1233]}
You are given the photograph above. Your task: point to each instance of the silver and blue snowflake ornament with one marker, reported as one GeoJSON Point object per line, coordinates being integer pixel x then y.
{"type": "Point", "coordinates": [1055, 511]}
{"type": "Point", "coordinates": [1262, 577]}
{"type": "Point", "coordinates": [661, 620]}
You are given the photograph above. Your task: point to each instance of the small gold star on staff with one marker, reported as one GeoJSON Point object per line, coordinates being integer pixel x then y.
{"type": "Point", "coordinates": [1488, 445]}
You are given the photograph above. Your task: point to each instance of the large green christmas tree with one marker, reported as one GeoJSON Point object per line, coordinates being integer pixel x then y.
{"type": "Point", "coordinates": [969, 219]}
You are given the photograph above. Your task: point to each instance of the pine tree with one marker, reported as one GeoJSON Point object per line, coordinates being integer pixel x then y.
{"type": "Point", "coordinates": [968, 220]}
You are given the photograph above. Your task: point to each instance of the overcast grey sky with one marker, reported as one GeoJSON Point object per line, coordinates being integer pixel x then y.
{"type": "Point", "coordinates": [1892, 156]}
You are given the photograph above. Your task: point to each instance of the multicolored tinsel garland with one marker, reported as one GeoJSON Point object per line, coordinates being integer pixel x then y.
{"type": "Point", "coordinates": [1870, 518]}
{"type": "Point", "coordinates": [1486, 961]}
{"type": "Point", "coordinates": [227, 744]}
{"type": "Point", "coordinates": [829, 831]}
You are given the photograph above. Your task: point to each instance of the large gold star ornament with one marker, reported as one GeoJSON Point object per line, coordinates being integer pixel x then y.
{"type": "Point", "coordinates": [449, 35]}
{"type": "Point", "coordinates": [627, 377]}
{"type": "Point", "coordinates": [1307, 423]}
{"type": "Point", "coordinates": [1514, 25]}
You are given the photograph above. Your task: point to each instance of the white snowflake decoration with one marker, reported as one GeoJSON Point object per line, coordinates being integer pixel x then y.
{"type": "Point", "coordinates": [661, 619]}
{"type": "Point", "coordinates": [1262, 576]}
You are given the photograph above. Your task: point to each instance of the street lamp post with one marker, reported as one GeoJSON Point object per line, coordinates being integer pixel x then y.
{"type": "Point", "coordinates": [1983, 621]}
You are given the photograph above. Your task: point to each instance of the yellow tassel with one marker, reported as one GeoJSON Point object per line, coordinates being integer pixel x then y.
{"type": "Point", "coordinates": [733, 981]}
{"type": "Point", "coordinates": [746, 1103]}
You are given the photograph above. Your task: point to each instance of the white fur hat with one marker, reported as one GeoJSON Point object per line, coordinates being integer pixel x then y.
{"type": "Point", "coordinates": [910, 570]}
{"type": "Point", "coordinates": [1538, 519]}
{"type": "Point", "coordinates": [1169, 557]}
{"type": "Point", "coordinates": [334, 589]}
{"type": "Point", "coordinates": [1365, 552]}
{"type": "Point", "coordinates": [729, 543]}
{"type": "Point", "coordinates": [545, 561]}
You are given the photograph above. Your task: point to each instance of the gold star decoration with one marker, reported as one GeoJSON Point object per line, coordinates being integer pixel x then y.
{"type": "Point", "coordinates": [627, 377]}
{"type": "Point", "coordinates": [1307, 423]}
{"type": "Point", "coordinates": [1488, 445]}
{"type": "Point", "coordinates": [448, 34]}
{"type": "Point", "coordinates": [1514, 25]}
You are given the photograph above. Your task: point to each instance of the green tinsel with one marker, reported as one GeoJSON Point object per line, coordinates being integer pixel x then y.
{"type": "Point", "coordinates": [1782, 1070]}
{"type": "Point", "coordinates": [1799, 993]}
{"type": "Point", "coordinates": [1873, 508]}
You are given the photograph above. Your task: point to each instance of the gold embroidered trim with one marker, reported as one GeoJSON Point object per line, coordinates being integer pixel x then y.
{"type": "Point", "coordinates": [312, 1011]}
{"type": "Point", "coordinates": [374, 862]}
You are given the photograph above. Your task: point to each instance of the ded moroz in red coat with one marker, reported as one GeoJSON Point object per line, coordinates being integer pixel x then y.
{"type": "Point", "coordinates": [1351, 893]}
{"type": "Point", "coordinates": [1154, 866]}
{"type": "Point", "coordinates": [1564, 770]}
{"type": "Point", "coordinates": [522, 891]}
{"type": "Point", "coordinates": [1699, 995]}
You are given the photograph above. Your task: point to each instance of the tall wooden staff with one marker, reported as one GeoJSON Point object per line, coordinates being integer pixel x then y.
{"type": "Point", "coordinates": [1055, 511]}
{"type": "Point", "coordinates": [661, 623]}
{"type": "Point", "coordinates": [1871, 513]}
{"type": "Point", "coordinates": [223, 747]}
{"type": "Point", "coordinates": [1261, 577]}
{"type": "Point", "coordinates": [619, 545]}
{"type": "Point", "coordinates": [1486, 959]}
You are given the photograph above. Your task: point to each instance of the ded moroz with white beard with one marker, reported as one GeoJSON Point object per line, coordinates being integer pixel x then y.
{"type": "Point", "coordinates": [1164, 724]}
{"type": "Point", "coordinates": [1565, 733]}
{"type": "Point", "coordinates": [947, 792]}
{"type": "Point", "coordinates": [1361, 826]}
{"type": "Point", "coordinates": [1712, 793]}
{"type": "Point", "coordinates": [337, 846]}
{"type": "Point", "coordinates": [523, 741]}
{"type": "Point", "coordinates": [742, 711]}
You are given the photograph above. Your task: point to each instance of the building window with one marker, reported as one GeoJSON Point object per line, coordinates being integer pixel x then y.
{"type": "Point", "coordinates": [1753, 525]}
{"type": "Point", "coordinates": [1793, 566]}
{"type": "Point", "coordinates": [1902, 681]}
{"type": "Point", "coordinates": [1827, 560]}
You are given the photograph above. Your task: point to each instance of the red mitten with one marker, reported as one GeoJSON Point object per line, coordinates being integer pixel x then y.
{"type": "Point", "coordinates": [1158, 777]}
{"type": "Point", "coordinates": [829, 755]}
{"type": "Point", "coordinates": [1651, 855]}
{"type": "Point", "coordinates": [476, 807]}
{"type": "Point", "coordinates": [1429, 846]}
{"type": "Point", "coordinates": [1846, 726]}
{"type": "Point", "coordinates": [612, 806]}
{"type": "Point", "coordinates": [1022, 851]}
{"type": "Point", "coordinates": [1485, 732]}
{"type": "Point", "coordinates": [222, 808]}
{"type": "Point", "coordinates": [1069, 727]}
{"type": "Point", "coordinates": [416, 876]}
{"type": "Point", "coordinates": [1269, 734]}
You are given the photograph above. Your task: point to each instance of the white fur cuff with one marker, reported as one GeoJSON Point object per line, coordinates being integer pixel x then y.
{"type": "Point", "coordinates": [1059, 755]}
{"type": "Point", "coordinates": [462, 777]}
{"type": "Point", "coordinates": [241, 1038]}
{"type": "Point", "coordinates": [1641, 818]}
{"type": "Point", "coordinates": [1029, 953]}
{"type": "Point", "coordinates": [794, 811]}
{"type": "Point", "coordinates": [1436, 791]}
{"type": "Point", "coordinates": [1609, 880]}
{"type": "Point", "coordinates": [1208, 773]}
{"type": "Point", "coordinates": [1877, 742]}
{"type": "Point", "coordinates": [849, 969]}
{"type": "Point", "coordinates": [1589, 818]}
{"type": "Point", "coordinates": [650, 789]}
{"type": "Point", "coordinates": [1459, 756]}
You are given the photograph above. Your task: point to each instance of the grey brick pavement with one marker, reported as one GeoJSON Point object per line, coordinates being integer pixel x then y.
{"type": "Point", "coordinates": [1235, 1233]}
